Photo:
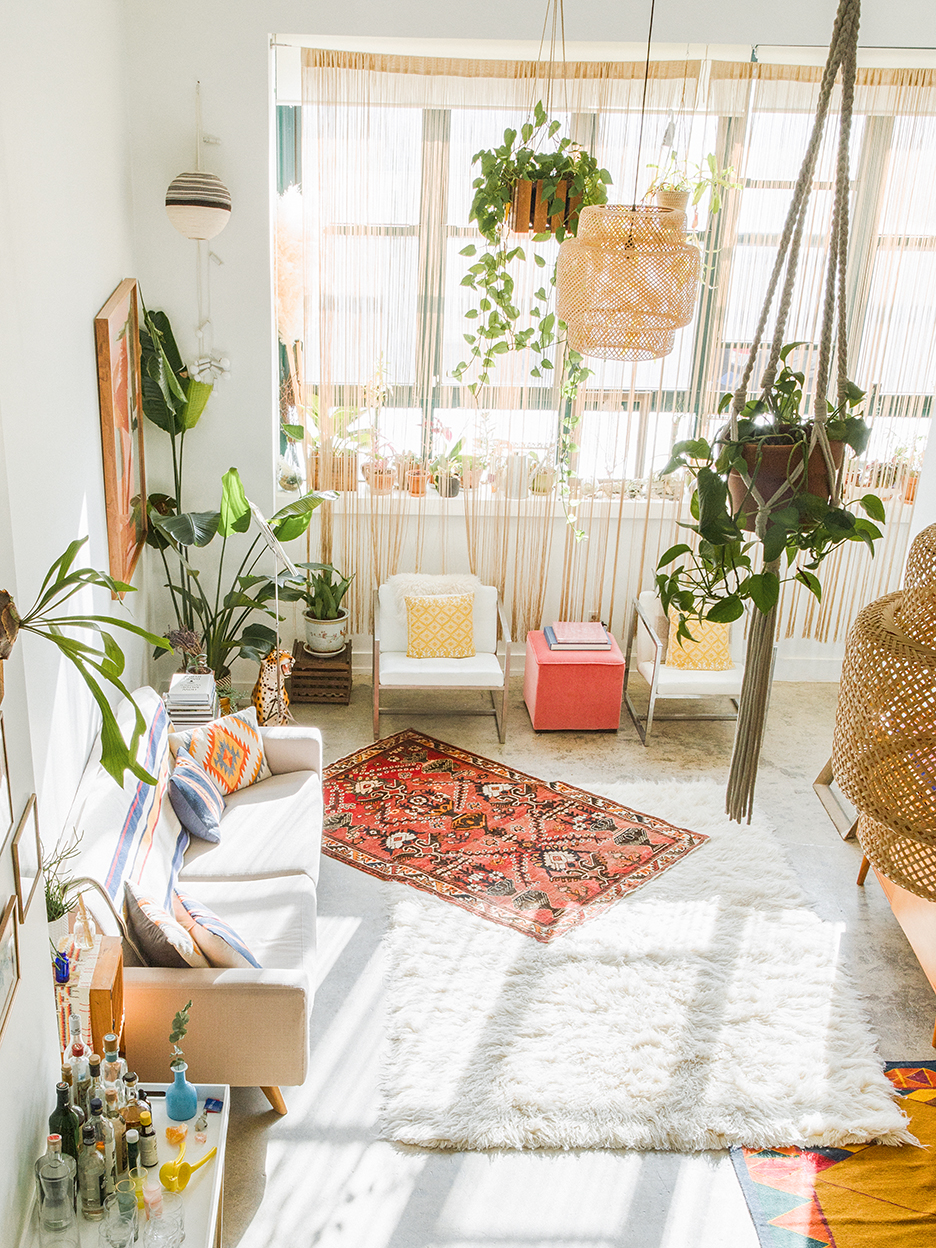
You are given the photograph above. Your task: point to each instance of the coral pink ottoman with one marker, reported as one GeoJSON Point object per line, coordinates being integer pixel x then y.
{"type": "Point", "coordinates": [578, 689]}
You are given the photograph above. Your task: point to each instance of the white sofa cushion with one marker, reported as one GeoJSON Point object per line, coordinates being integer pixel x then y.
{"type": "Point", "coordinates": [481, 671]}
{"type": "Point", "coordinates": [275, 918]}
{"type": "Point", "coordinates": [269, 829]}
{"type": "Point", "coordinates": [681, 682]}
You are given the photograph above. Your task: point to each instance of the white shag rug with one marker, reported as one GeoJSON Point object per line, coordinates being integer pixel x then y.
{"type": "Point", "coordinates": [708, 1009]}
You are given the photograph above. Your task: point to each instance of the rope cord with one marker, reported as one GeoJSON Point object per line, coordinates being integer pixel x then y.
{"type": "Point", "coordinates": [643, 101]}
{"type": "Point", "coordinates": [755, 689]}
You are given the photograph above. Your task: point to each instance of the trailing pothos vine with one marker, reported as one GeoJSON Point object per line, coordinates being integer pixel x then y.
{"type": "Point", "coordinates": [570, 179]}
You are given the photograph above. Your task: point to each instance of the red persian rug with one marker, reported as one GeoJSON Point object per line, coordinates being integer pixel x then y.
{"type": "Point", "coordinates": [538, 857]}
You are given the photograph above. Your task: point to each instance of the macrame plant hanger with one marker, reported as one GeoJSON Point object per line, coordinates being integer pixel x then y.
{"type": "Point", "coordinates": [755, 689]}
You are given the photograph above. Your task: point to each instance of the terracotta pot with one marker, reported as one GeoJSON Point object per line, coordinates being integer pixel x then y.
{"type": "Point", "coordinates": [679, 200]}
{"type": "Point", "coordinates": [380, 480]}
{"type": "Point", "coordinates": [472, 478]}
{"type": "Point", "coordinates": [776, 463]}
{"type": "Point", "coordinates": [528, 208]}
{"type": "Point", "coordinates": [344, 471]}
{"type": "Point", "coordinates": [417, 479]}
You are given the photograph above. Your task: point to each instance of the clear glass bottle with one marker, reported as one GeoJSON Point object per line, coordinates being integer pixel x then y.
{"type": "Point", "coordinates": [64, 1122]}
{"type": "Point", "coordinates": [55, 1176]}
{"type": "Point", "coordinates": [112, 1110]}
{"type": "Point", "coordinates": [97, 1083]}
{"type": "Point", "coordinates": [104, 1135]}
{"type": "Point", "coordinates": [91, 1180]}
{"type": "Point", "coordinates": [77, 1057]}
{"type": "Point", "coordinates": [149, 1152]}
{"type": "Point", "coordinates": [113, 1068]}
{"type": "Point", "coordinates": [131, 1109]}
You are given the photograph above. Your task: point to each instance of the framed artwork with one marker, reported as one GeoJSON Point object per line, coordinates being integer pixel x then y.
{"type": "Point", "coordinates": [6, 793]}
{"type": "Point", "coordinates": [9, 961]}
{"type": "Point", "coordinates": [27, 857]}
{"type": "Point", "coordinates": [117, 340]}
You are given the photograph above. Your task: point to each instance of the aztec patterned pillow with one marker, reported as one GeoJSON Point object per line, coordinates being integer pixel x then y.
{"type": "Point", "coordinates": [217, 940]}
{"type": "Point", "coordinates": [196, 798]}
{"type": "Point", "coordinates": [162, 941]}
{"type": "Point", "coordinates": [440, 626]}
{"type": "Point", "coordinates": [709, 652]}
{"type": "Point", "coordinates": [230, 750]}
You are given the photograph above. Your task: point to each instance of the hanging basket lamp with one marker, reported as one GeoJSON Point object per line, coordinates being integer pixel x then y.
{"type": "Point", "coordinates": [627, 281]}
{"type": "Point", "coordinates": [198, 205]}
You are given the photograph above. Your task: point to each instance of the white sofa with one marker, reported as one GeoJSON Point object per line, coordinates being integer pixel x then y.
{"type": "Point", "coordinates": [248, 1027]}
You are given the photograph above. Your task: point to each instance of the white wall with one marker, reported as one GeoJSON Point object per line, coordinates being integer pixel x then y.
{"type": "Point", "coordinates": [65, 244]}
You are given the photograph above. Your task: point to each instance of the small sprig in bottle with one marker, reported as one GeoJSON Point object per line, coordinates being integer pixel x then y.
{"type": "Point", "coordinates": [179, 1028]}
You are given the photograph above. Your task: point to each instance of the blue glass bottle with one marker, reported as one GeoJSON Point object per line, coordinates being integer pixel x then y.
{"type": "Point", "coordinates": [181, 1096]}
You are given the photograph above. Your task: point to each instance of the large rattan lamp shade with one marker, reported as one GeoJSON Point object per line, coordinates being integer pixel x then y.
{"type": "Point", "coordinates": [627, 281]}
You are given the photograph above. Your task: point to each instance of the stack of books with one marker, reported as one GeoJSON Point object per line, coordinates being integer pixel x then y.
{"type": "Point", "coordinates": [565, 635]}
{"type": "Point", "coordinates": [192, 699]}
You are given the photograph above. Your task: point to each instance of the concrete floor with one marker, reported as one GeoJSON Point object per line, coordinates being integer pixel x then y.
{"type": "Point", "coordinates": [320, 1176]}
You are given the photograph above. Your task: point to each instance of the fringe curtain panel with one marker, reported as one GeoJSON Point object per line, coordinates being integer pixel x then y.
{"type": "Point", "coordinates": [371, 312]}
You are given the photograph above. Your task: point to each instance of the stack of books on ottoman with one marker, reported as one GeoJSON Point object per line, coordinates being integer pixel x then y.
{"type": "Point", "coordinates": [564, 635]}
{"type": "Point", "coordinates": [192, 699]}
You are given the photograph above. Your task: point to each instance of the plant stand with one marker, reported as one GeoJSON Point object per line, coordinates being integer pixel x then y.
{"type": "Point", "coordinates": [319, 677]}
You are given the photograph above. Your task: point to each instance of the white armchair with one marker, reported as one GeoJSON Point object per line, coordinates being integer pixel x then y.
{"type": "Point", "coordinates": [488, 669]}
{"type": "Point", "coordinates": [647, 640]}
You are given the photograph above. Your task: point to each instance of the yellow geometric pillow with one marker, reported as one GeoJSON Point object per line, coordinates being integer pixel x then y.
{"type": "Point", "coordinates": [708, 653]}
{"type": "Point", "coordinates": [440, 626]}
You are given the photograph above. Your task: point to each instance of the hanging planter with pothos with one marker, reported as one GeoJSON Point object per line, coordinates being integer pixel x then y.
{"type": "Point", "coordinates": [525, 186]}
{"type": "Point", "coordinates": [796, 516]}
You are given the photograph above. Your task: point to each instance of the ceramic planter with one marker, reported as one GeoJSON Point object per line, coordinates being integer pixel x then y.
{"type": "Point", "coordinates": [776, 463]}
{"type": "Point", "coordinates": [543, 481]}
{"type": "Point", "coordinates": [448, 484]}
{"type": "Point", "coordinates": [326, 636]}
{"type": "Point", "coordinates": [472, 477]}
{"type": "Point", "coordinates": [380, 480]}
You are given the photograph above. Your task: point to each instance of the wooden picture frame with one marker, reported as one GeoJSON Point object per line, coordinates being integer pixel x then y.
{"type": "Point", "coordinates": [6, 792]}
{"type": "Point", "coordinates": [9, 961]}
{"type": "Point", "coordinates": [27, 857]}
{"type": "Point", "coordinates": [117, 342]}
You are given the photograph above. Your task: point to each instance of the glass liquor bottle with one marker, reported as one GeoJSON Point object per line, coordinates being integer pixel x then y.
{"type": "Point", "coordinates": [112, 1110]}
{"type": "Point", "coordinates": [97, 1083]}
{"type": "Point", "coordinates": [131, 1109]}
{"type": "Point", "coordinates": [149, 1154]}
{"type": "Point", "coordinates": [65, 1122]}
{"type": "Point", "coordinates": [113, 1067]}
{"type": "Point", "coordinates": [104, 1136]}
{"type": "Point", "coordinates": [91, 1169]}
{"type": "Point", "coordinates": [55, 1177]}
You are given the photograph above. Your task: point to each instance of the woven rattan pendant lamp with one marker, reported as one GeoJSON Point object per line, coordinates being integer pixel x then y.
{"type": "Point", "coordinates": [629, 278]}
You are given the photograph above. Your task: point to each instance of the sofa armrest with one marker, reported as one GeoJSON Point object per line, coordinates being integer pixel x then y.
{"type": "Point", "coordinates": [248, 1028]}
{"type": "Point", "coordinates": [292, 749]}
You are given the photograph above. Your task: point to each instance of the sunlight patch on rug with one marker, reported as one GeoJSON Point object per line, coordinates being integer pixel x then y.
{"type": "Point", "coordinates": [707, 1010]}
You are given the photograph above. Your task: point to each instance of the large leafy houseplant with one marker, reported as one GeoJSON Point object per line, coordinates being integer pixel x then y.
{"type": "Point", "coordinates": [796, 524]}
{"type": "Point", "coordinates": [98, 666]}
{"type": "Point", "coordinates": [571, 180]}
{"type": "Point", "coordinates": [221, 616]}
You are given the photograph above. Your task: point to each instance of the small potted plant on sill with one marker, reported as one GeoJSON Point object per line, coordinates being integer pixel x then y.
{"type": "Point", "coordinates": [673, 186]}
{"type": "Point", "coordinates": [379, 474]}
{"type": "Point", "coordinates": [799, 521]}
{"type": "Point", "coordinates": [326, 621]}
{"type": "Point", "coordinates": [471, 469]}
{"type": "Point", "coordinates": [444, 470]}
{"type": "Point", "coordinates": [543, 473]}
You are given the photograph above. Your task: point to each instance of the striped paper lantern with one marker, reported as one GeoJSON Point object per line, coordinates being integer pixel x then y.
{"type": "Point", "coordinates": [198, 205]}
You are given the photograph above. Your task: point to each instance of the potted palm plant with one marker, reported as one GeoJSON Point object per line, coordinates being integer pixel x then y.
{"type": "Point", "coordinates": [322, 590]}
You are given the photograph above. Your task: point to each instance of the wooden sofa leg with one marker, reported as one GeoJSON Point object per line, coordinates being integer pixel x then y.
{"type": "Point", "coordinates": [275, 1097]}
{"type": "Point", "coordinates": [863, 873]}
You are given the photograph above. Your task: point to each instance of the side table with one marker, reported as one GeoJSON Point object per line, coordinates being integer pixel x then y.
{"type": "Point", "coordinates": [320, 677]}
{"type": "Point", "coordinates": [572, 689]}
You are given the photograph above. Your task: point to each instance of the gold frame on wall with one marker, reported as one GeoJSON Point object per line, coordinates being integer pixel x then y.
{"type": "Point", "coordinates": [6, 791]}
{"type": "Point", "coordinates": [27, 857]}
{"type": "Point", "coordinates": [9, 961]}
{"type": "Point", "coordinates": [117, 342]}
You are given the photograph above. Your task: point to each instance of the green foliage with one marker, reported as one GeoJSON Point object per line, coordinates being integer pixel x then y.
{"type": "Point", "coordinates": [94, 664]}
{"type": "Point", "coordinates": [179, 1027]}
{"type": "Point", "coordinates": [496, 327]}
{"type": "Point", "coordinates": [172, 400]}
{"type": "Point", "coordinates": [319, 590]}
{"type": "Point", "coordinates": [220, 620]}
{"type": "Point", "coordinates": [714, 581]}
{"type": "Point", "coordinates": [59, 885]}
{"type": "Point", "coordinates": [674, 175]}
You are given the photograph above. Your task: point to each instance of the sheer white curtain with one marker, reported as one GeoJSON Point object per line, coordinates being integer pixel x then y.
{"type": "Point", "coordinates": [386, 180]}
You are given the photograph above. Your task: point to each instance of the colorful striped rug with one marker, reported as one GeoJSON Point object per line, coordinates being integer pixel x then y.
{"type": "Point", "coordinates": [862, 1196]}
